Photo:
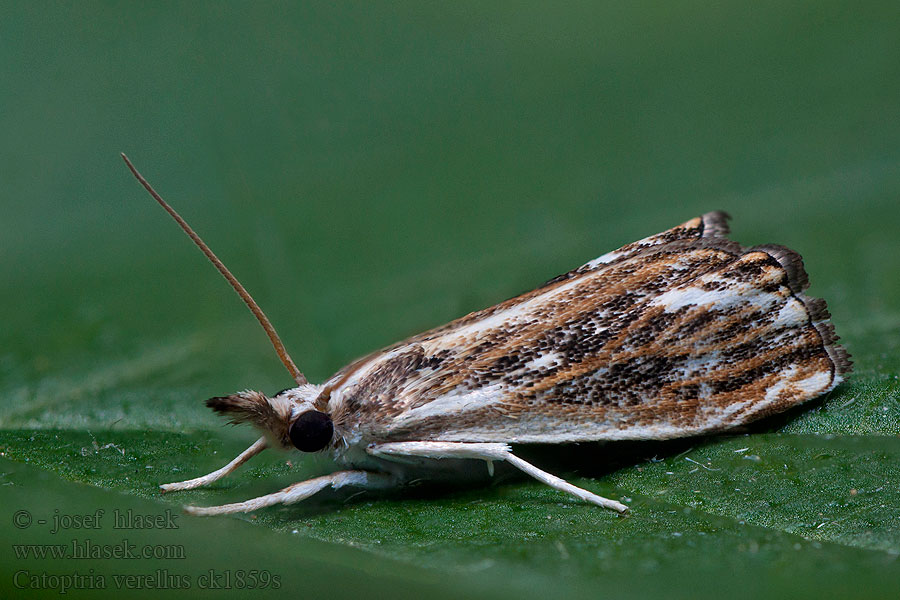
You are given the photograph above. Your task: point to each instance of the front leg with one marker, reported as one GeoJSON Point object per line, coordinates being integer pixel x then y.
{"type": "Point", "coordinates": [488, 452]}
{"type": "Point", "coordinates": [257, 447]}
{"type": "Point", "coordinates": [299, 491]}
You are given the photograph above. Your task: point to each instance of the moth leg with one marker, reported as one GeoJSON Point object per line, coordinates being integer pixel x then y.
{"type": "Point", "coordinates": [257, 447]}
{"type": "Point", "coordinates": [488, 452]}
{"type": "Point", "coordinates": [299, 491]}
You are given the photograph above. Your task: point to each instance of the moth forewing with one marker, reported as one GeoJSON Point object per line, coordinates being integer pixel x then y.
{"type": "Point", "coordinates": [681, 338]}
{"type": "Point", "coordinates": [681, 333]}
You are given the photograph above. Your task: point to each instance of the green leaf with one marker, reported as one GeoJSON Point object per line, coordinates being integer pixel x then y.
{"type": "Point", "coordinates": [369, 171]}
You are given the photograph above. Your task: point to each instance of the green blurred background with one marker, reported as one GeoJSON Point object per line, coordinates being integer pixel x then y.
{"type": "Point", "coordinates": [370, 170]}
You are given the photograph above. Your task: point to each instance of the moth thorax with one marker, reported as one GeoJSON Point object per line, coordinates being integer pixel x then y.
{"type": "Point", "coordinates": [311, 431]}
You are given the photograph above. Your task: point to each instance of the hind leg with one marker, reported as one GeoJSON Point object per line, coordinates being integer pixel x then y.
{"type": "Point", "coordinates": [488, 452]}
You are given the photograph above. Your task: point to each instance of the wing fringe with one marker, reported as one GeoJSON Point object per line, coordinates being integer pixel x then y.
{"type": "Point", "coordinates": [798, 281]}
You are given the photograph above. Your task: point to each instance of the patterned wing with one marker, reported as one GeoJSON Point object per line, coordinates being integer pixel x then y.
{"type": "Point", "coordinates": [682, 333]}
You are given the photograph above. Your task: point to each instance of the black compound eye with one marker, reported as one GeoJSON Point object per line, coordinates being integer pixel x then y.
{"type": "Point", "coordinates": [311, 431]}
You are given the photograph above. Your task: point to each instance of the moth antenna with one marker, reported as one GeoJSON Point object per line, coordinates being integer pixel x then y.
{"type": "Point", "coordinates": [243, 293]}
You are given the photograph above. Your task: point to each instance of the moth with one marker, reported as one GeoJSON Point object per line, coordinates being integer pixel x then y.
{"type": "Point", "coordinates": [681, 333]}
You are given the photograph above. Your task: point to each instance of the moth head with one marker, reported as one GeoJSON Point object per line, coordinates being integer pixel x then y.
{"type": "Point", "coordinates": [287, 419]}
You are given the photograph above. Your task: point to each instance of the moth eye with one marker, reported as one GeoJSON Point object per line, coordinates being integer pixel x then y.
{"type": "Point", "coordinates": [280, 393]}
{"type": "Point", "coordinates": [311, 431]}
